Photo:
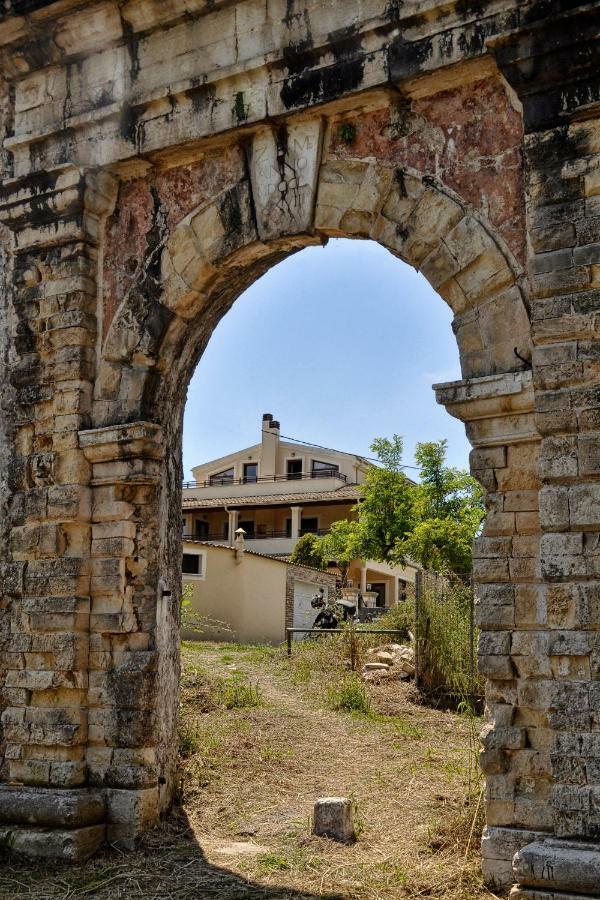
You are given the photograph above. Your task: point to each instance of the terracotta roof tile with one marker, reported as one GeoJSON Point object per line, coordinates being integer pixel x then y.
{"type": "Point", "coordinates": [349, 492]}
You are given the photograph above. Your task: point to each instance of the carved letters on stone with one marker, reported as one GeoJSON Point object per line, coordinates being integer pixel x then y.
{"type": "Point", "coordinates": [284, 163]}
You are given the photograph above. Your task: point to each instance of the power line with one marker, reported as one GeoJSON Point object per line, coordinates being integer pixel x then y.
{"type": "Point", "coordinates": [286, 437]}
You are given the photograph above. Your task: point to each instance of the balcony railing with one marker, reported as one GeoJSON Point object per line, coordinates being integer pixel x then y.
{"type": "Point", "coordinates": [263, 535]}
{"type": "Point", "coordinates": [262, 479]}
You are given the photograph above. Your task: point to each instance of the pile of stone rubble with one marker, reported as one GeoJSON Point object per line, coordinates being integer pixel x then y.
{"type": "Point", "coordinates": [389, 661]}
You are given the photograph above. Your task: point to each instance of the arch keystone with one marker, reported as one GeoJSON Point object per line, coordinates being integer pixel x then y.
{"type": "Point", "coordinates": [284, 165]}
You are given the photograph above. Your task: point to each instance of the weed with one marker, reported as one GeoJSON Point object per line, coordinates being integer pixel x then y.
{"type": "Point", "coordinates": [347, 132]}
{"type": "Point", "coordinates": [189, 739]}
{"type": "Point", "coordinates": [406, 729]}
{"type": "Point", "coordinates": [266, 863]}
{"type": "Point", "coordinates": [350, 695]}
{"type": "Point", "coordinates": [238, 694]}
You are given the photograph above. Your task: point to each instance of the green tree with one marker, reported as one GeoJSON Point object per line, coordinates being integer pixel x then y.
{"type": "Point", "coordinates": [343, 544]}
{"type": "Point", "coordinates": [309, 551]}
{"type": "Point", "coordinates": [386, 510]}
{"type": "Point", "coordinates": [448, 510]}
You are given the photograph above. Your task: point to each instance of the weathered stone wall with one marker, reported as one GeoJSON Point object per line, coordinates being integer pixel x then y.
{"type": "Point", "coordinates": [159, 157]}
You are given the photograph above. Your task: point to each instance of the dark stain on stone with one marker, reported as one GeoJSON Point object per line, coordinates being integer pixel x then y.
{"type": "Point", "coordinates": [132, 44]}
{"type": "Point", "coordinates": [312, 85]}
{"type": "Point", "coordinates": [393, 10]}
{"type": "Point", "coordinates": [230, 212]}
{"type": "Point", "coordinates": [405, 59]}
{"type": "Point", "coordinates": [401, 182]}
{"type": "Point", "coordinates": [147, 311]}
{"type": "Point", "coordinates": [298, 55]}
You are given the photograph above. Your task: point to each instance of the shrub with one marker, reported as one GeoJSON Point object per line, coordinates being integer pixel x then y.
{"type": "Point", "coordinates": [401, 617]}
{"type": "Point", "coordinates": [309, 551]}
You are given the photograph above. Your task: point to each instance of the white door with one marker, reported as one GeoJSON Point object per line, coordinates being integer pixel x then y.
{"type": "Point", "coordinates": [304, 614]}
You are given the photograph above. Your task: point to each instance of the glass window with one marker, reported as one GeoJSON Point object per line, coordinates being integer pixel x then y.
{"type": "Point", "coordinates": [224, 477]}
{"type": "Point", "coordinates": [310, 525]}
{"type": "Point", "coordinates": [191, 564]}
{"type": "Point", "coordinates": [248, 527]}
{"type": "Point", "coordinates": [201, 529]}
{"type": "Point", "coordinates": [323, 469]}
{"type": "Point", "coordinates": [294, 469]}
{"type": "Point", "coordinates": [250, 473]}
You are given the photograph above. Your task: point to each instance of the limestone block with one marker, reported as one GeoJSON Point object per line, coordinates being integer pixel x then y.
{"type": "Point", "coordinates": [334, 818]}
{"type": "Point", "coordinates": [584, 505]}
{"type": "Point", "coordinates": [71, 845]}
{"type": "Point", "coordinates": [559, 865]}
{"type": "Point", "coordinates": [432, 218]}
{"type": "Point", "coordinates": [224, 226]}
{"type": "Point", "coordinates": [350, 196]}
{"type": "Point", "coordinates": [129, 813]}
{"type": "Point", "coordinates": [495, 606]}
{"type": "Point", "coordinates": [554, 507]}
{"type": "Point", "coordinates": [284, 164]}
{"type": "Point", "coordinates": [530, 606]}
{"type": "Point", "coordinates": [502, 738]}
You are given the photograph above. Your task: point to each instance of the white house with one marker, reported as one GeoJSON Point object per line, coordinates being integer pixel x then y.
{"type": "Point", "coordinates": [278, 490]}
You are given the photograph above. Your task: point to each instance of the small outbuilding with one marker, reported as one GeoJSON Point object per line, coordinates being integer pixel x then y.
{"type": "Point", "coordinates": [248, 597]}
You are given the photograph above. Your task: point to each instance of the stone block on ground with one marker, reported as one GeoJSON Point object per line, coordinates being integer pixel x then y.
{"type": "Point", "coordinates": [559, 866]}
{"type": "Point", "coordinates": [70, 845]}
{"type": "Point", "coordinates": [334, 818]}
{"type": "Point", "coordinates": [22, 805]}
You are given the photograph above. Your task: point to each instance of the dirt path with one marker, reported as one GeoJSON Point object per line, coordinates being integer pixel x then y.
{"type": "Point", "coordinates": [405, 773]}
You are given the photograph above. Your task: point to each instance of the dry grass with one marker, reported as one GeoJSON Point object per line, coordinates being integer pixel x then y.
{"type": "Point", "coordinates": [250, 775]}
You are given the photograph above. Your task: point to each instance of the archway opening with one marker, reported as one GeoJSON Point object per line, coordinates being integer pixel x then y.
{"type": "Point", "coordinates": [197, 255]}
{"type": "Point", "coordinates": [306, 340]}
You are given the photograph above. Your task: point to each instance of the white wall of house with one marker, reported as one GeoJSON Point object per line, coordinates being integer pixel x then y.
{"type": "Point", "coordinates": [240, 600]}
{"type": "Point", "coordinates": [275, 457]}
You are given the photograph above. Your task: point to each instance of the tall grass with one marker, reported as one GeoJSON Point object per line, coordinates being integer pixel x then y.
{"type": "Point", "coordinates": [447, 639]}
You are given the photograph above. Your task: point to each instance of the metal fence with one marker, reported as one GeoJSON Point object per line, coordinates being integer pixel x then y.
{"type": "Point", "coordinates": [446, 638]}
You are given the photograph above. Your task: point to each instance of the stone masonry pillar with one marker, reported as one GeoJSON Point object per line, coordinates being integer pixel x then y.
{"type": "Point", "coordinates": [45, 602]}
{"type": "Point", "coordinates": [554, 70]}
{"type": "Point", "coordinates": [499, 414]}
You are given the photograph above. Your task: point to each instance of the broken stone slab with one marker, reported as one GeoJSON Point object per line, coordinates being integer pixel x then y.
{"type": "Point", "coordinates": [521, 893]}
{"type": "Point", "coordinates": [334, 818]}
{"type": "Point", "coordinates": [376, 667]}
{"type": "Point", "coordinates": [51, 807]}
{"type": "Point", "coordinates": [70, 845]}
{"type": "Point", "coordinates": [559, 866]}
{"type": "Point", "coordinates": [385, 657]}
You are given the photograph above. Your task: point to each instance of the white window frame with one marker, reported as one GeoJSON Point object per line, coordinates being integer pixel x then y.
{"type": "Point", "coordinates": [203, 556]}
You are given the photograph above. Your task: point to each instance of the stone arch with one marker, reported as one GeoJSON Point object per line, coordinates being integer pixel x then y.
{"type": "Point", "coordinates": [218, 247]}
{"type": "Point", "coordinates": [271, 196]}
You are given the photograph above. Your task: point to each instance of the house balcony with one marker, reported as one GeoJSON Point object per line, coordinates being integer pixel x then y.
{"type": "Point", "coordinates": [274, 543]}
{"type": "Point", "coordinates": [261, 486]}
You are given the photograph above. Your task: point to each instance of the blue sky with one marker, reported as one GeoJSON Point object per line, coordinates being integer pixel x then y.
{"type": "Point", "coordinates": [342, 344]}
